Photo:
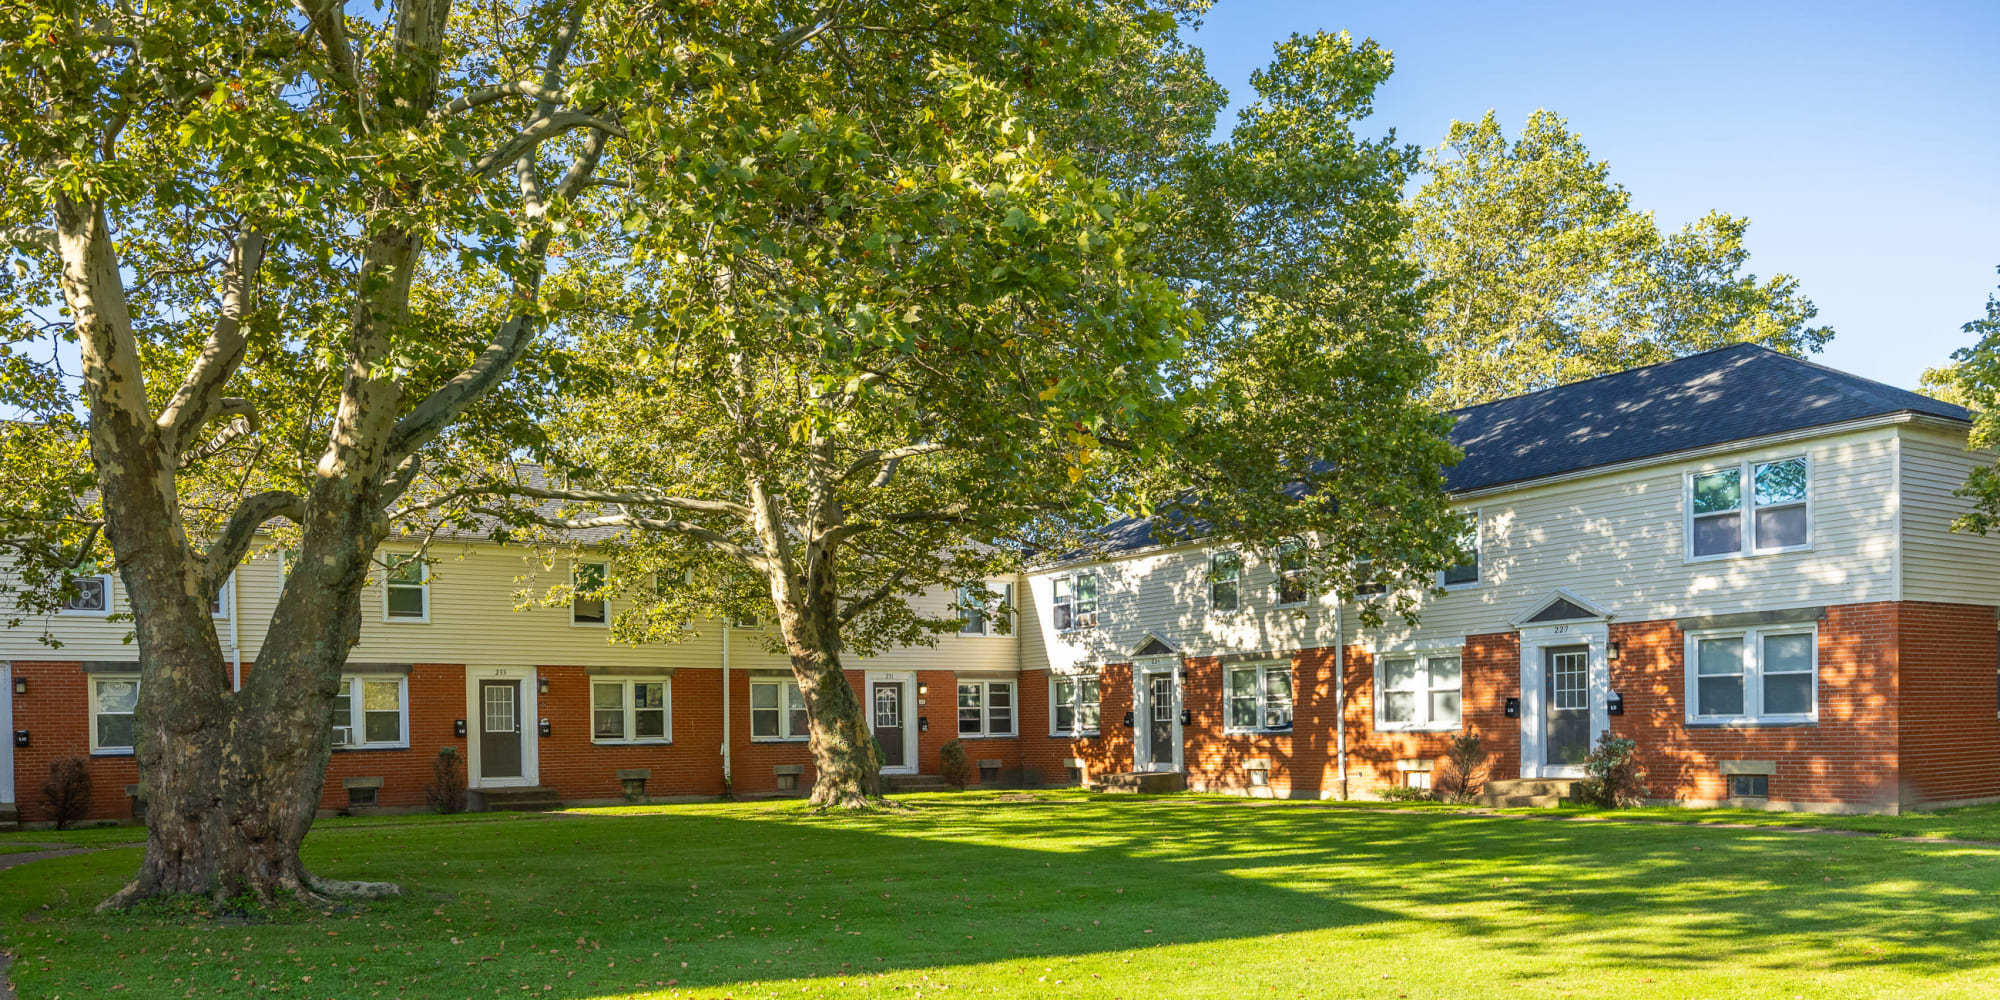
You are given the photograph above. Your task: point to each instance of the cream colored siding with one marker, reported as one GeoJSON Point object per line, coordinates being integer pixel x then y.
{"type": "Point", "coordinates": [1940, 564]}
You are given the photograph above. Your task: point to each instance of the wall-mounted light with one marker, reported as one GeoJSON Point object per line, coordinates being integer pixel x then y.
{"type": "Point", "coordinates": [923, 689]}
{"type": "Point", "coordinates": [542, 685]}
{"type": "Point", "coordinates": [1611, 650]}
{"type": "Point", "coordinates": [20, 685]}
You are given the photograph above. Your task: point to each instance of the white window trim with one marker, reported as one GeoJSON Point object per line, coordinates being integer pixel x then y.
{"type": "Point", "coordinates": [90, 683]}
{"type": "Point", "coordinates": [990, 613]}
{"type": "Point", "coordinates": [632, 711]}
{"type": "Point", "coordinates": [1476, 516]}
{"type": "Point", "coordinates": [784, 714]}
{"type": "Point", "coordinates": [986, 709]}
{"type": "Point", "coordinates": [575, 593]}
{"type": "Point", "coordinates": [1747, 519]}
{"type": "Point", "coordinates": [1076, 617]}
{"type": "Point", "coordinates": [425, 587]}
{"type": "Point", "coordinates": [1262, 667]}
{"type": "Point", "coordinates": [1278, 575]}
{"type": "Point", "coordinates": [110, 599]}
{"type": "Point", "coordinates": [1213, 557]}
{"type": "Point", "coordinates": [225, 599]}
{"type": "Point", "coordinates": [357, 716]}
{"type": "Point", "coordinates": [1422, 723]}
{"type": "Point", "coordinates": [1753, 676]}
{"type": "Point", "coordinates": [1076, 706]}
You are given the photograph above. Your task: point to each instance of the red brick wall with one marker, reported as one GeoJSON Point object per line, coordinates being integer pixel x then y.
{"type": "Point", "coordinates": [437, 698]}
{"type": "Point", "coordinates": [56, 713]}
{"type": "Point", "coordinates": [1492, 674]}
{"type": "Point", "coordinates": [1947, 713]}
{"type": "Point", "coordinates": [580, 769]}
{"type": "Point", "coordinates": [1108, 752]}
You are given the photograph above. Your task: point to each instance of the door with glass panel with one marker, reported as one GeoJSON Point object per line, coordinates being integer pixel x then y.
{"type": "Point", "coordinates": [888, 719]}
{"type": "Point", "coordinates": [1566, 705]}
{"type": "Point", "coordinates": [1162, 719]}
{"type": "Point", "coordinates": [500, 729]}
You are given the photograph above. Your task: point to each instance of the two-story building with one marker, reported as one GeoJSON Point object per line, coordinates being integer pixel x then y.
{"type": "Point", "coordinates": [1742, 560]}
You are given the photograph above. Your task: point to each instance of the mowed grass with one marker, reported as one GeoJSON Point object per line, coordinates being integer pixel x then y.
{"type": "Point", "coordinates": [1068, 896]}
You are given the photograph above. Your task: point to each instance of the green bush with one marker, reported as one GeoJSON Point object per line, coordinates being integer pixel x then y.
{"type": "Point", "coordinates": [1464, 771]}
{"type": "Point", "coordinates": [951, 764]}
{"type": "Point", "coordinates": [1615, 777]}
{"type": "Point", "coordinates": [1404, 793]}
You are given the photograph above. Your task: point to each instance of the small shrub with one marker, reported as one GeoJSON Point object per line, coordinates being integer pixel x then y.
{"type": "Point", "coordinates": [446, 792]}
{"type": "Point", "coordinates": [951, 764]}
{"type": "Point", "coordinates": [1404, 793]}
{"type": "Point", "coordinates": [66, 795]}
{"type": "Point", "coordinates": [1615, 777]}
{"type": "Point", "coordinates": [1464, 771]}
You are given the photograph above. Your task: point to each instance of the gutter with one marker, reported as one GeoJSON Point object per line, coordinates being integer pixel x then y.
{"type": "Point", "coordinates": [235, 635]}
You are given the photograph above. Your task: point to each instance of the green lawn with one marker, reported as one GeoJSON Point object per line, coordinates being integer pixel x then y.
{"type": "Point", "coordinates": [1067, 896]}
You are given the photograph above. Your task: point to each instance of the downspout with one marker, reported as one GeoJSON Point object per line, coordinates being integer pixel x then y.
{"type": "Point", "coordinates": [726, 779]}
{"type": "Point", "coordinates": [1340, 700]}
{"type": "Point", "coordinates": [235, 646]}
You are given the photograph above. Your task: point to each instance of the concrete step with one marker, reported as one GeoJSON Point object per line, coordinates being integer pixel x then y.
{"type": "Point", "coordinates": [898, 783]}
{"type": "Point", "coordinates": [1143, 782]}
{"type": "Point", "coordinates": [1523, 801]}
{"type": "Point", "coordinates": [10, 817]}
{"type": "Point", "coordinates": [536, 798]}
{"type": "Point", "coordinates": [1519, 792]}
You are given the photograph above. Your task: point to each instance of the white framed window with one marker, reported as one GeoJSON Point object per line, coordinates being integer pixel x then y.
{"type": "Point", "coordinates": [371, 711]}
{"type": "Point", "coordinates": [984, 618]}
{"type": "Point", "coordinates": [224, 603]}
{"type": "Point", "coordinates": [1290, 591]}
{"type": "Point", "coordinates": [1466, 572]}
{"type": "Point", "coordinates": [1260, 697]}
{"type": "Point", "coordinates": [93, 592]}
{"type": "Point", "coordinates": [1365, 584]}
{"type": "Point", "coordinates": [1419, 690]}
{"type": "Point", "coordinates": [1075, 602]}
{"type": "Point", "coordinates": [1073, 706]}
{"type": "Point", "coordinates": [114, 701]}
{"type": "Point", "coordinates": [1751, 508]}
{"type": "Point", "coordinates": [1225, 582]}
{"type": "Point", "coordinates": [406, 588]}
{"type": "Point", "coordinates": [985, 708]}
{"type": "Point", "coordinates": [1753, 675]}
{"type": "Point", "coordinates": [777, 711]}
{"type": "Point", "coordinates": [586, 604]}
{"type": "Point", "coordinates": [631, 710]}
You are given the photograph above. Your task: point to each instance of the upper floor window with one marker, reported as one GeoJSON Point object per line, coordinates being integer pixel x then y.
{"type": "Point", "coordinates": [1753, 675]}
{"type": "Point", "coordinates": [224, 601]}
{"type": "Point", "coordinates": [1074, 706]}
{"type": "Point", "coordinates": [1225, 580]}
{"type": "Point", "coordinates": [406, 589]}
{"type": "Point", "coordinates": [586, 605]}
{"type": "Point", "coordinates": [92, 592]}
{"type": "Point", "coordinates": [1465, 572]}
{"type": "Point", "coordinates": [986, 708]}
{"type": "Point", "coordinates": [1075, 602]}
{"type": "Point", "coordinates": [983, 617]}
{"type": "Point", "coordinates": [1725, 518]}
{"type": "Point", "coordinates": [1291, 573]}
{"type": "Point", "coordinates": [370, 712]}
{"type": "Point", "coordinates": [629, 711]}
{"type": "Point", "coordinates": [1419, 691]}
{"type": "Point", "coordinates": [1365, 584]}
{"type": "Point", "coordinates": [777, 711]}
{"type": "Point", "coordinates": [1260, 696]}
{"type": "Point", "coordinates": [114, 702]}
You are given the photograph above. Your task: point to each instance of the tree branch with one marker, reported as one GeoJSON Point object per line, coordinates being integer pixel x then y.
{"type": "Point", "coordinates": [629, 498]}
{"type": "Point", "coordinates": [487, 95]}
{"type": "Point", "coordinates": [198, 399]}
{"type": "Point", "coordinates": [234, 540]}
{"type": "Point", "coordinates": [751, 558]}
{"type": "Point", "coordinates": [887, 459]}
{"type": "Point", "coordinates": [950, 515]}
{"type": "Point", "coordinates": [878, 595]}
{"type": "Point", "coordinates": [524, 142]}
{"type": "Point", "coordinates": [429, 418]}
{"type": "Point", "coordinates": [329, 23]}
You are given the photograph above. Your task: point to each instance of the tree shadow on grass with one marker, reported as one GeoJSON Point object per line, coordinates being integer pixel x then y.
{"type": "Point", "coordinates": [606, 905]}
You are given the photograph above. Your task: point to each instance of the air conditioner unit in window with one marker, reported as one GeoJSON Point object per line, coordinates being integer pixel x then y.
{"type": "Point", "coordinates": [343, 736]}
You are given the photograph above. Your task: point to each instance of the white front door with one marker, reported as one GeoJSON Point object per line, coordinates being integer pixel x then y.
{"type": "Point", "coordinates": [1156, 712]}
{"type": "Point", "coordinates": [890, 701]}
{"type": "Point", "coordinates": [1565, 689]}
{"type": "Point", "coordinates": [7, 744]}
{"type": "Point", "coordinates": [503, 732]}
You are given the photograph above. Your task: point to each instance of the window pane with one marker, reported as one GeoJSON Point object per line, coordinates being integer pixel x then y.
{"type": "Point", "coordinates": [1716, 492]}
{"type": "Point", "coordinates": [406, 569]}
{"type": "Point", "coordinates": [609, 724]}
{"type": "Point", "coordinates": [1445, 671]}
{"type": "Point", "coordinates": [1278, 684]}
{"type": "Point", "coordinates": [117, 696]}
{"type": "Point", "coordinates": [1399, 673]}
{"type": "Point", "coordinates": [649, 723]}
{"type": "Point", "coordinates": [1000, 708]}
{"type": "Point", "coordinates": [1242, 682]}
{"type": "Point", "coordinates": [795, 711]}
{"type": "Point", "coordinates": [1086, 717]}
{"type": "Point", "coordinates": [1467, 569]}
{"type": "Point", "coordinates": [1065, 618]}
{"type": "Point", "coordinates": [1785, 654]}
{"type": "Point", "coordinates": [1399, 706]}
{"type": "Point", "coordinates": [114, 731]}
{"type": "Point", "coordinates": [968, 708]}
{"type": "Point", "coordinates": [1716, 535]}
{"type": "Point", "coordinates": [406, 602]}
{"type": "Point", "coordinates": [1788, 694]}
{"type": "Point", "coordinates": [763, 696]}
{"type": "Point", "coordinates": [1781, 528]}
{"type": "Point", "coordinates": [1086, 592]}
{"type": "Point", "coordinates": [1463, 573]}
{"type": "Point", "coordinates": [588, 611]}
{"type": "Point", "coordinates": [1243, 713]}
{"type": "Point", "coordinates": [343, 706]}
{"type": "Point", "coordinates": [975, 615]}
{"type": "Point", "coordinates": [1781, 482]}
{"type": "Point", "coordinates": [608, 696]}
{"type": "Point", "coordinates": [1065, 717]}
{"type": "Point", "coordinates": [1065, 691]}
{"type": "Point", "coordinates": [1719, 656]}
{"type": "Point", "coordinates": [382, 696]}
{"type": "Point", "coordinates": [764, 721]}
{"type": "Point", "coordinates": [649, 695]}
{"type": "Point", "coordinates": [384, 727]}
{"type": "Point", "coordinates": [1445, 707]}
{"type": "Point", "coordinates": [1719, 696]}
{"type": "Point", "coordinates": [1223, 595]}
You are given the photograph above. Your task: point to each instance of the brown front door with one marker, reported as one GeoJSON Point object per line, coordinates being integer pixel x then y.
{"type": "Point", "coordinates": [888, 713]}
{"type": "Point", "coordinates": [500, 729]}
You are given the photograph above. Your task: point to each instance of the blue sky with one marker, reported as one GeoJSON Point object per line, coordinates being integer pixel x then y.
{"type": "Point", "coordinates": [1863, 141]}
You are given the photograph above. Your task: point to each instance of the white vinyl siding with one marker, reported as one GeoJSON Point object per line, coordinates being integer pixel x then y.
{"type": "Point", "coordinates": [1940, 564]}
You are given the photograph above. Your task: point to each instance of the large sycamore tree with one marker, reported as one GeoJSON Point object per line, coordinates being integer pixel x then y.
{"type": "Point", "coordinates": [935, 346]}
{"type": "Point", "coordinates": [294, 251]}
{"type": "Point", "coordinates": [1542, 273]}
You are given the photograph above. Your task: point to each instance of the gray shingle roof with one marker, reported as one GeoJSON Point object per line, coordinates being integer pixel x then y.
{"type": "Point", "coordinates": [1728, 394]}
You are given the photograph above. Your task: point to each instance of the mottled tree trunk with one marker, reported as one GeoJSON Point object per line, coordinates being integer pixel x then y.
{"type": "Point", "coordinates": [849, 771]}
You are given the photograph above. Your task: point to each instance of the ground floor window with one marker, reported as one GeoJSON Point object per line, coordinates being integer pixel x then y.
{"type": "Point", "coordinates": [1419, 690]}
{"type": "Point", "coordinates": [1073, 706]}
{"type": "Point", "coordinates": [113, 702]}
{"type": "Point", "coordinates": [1753, 675]}
{"type": "Point", "coordinates": [986, 708]}
{"type": "Point", "coordinates": [1260, 696]}
{"type": "Point", "coordinates": [630, 710]}
{"type": "Point", "coordinates": [370, 712]}
{"type": "Point", "coordinates": [777, 711]}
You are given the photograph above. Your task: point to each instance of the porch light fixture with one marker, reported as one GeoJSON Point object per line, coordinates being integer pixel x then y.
{"type": "Point", "coordinates": [1611, 650]}
{"type": "Point", "coordinates": [923, 690]}
{"type": "Point", "coordinates": [542, 685]}
{"type": "Point", "coordinates": [20, 685]}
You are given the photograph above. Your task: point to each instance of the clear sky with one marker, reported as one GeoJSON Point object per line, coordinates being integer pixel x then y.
{"type": "Point", "coordinates": [1862, 140]}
